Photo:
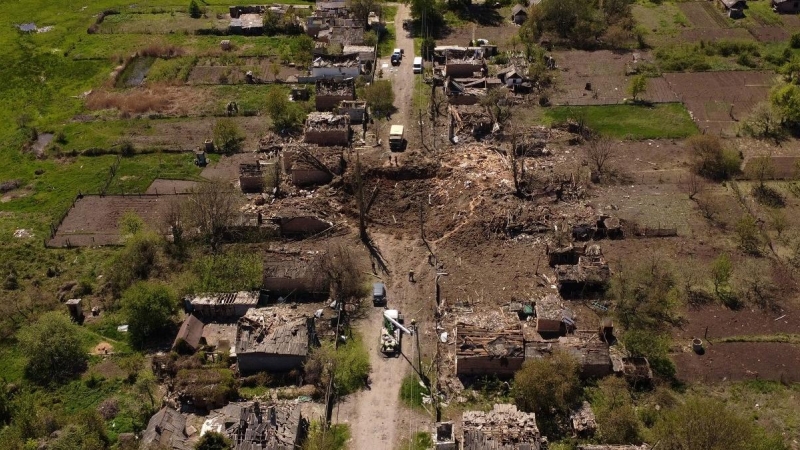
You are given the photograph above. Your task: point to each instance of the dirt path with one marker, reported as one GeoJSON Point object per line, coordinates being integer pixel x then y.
{"type": "Point", "coordinates": [402, 76]}
{"type": "Point", "coordinates": [377, 418]}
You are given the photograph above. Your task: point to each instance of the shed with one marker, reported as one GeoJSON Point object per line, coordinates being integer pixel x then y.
{"type": "Point", "coordinates": [255, 425]}
{"type": "Point", "coordinates": [189, 336]}
{"type": "Point", "coordinates": [519, 14]}
{"type": "Point", "coordinates": [786, 6]}
{"type": "Point", "coordinates": [294, 277]}
{"type": "Point", "coordinates": [485, 352]}
{"type": "Point", "coordinates": [735, 8]}
{"type": "Point", "coordinates": [166, 430]}
{"type": "Point", "coordinates": [222, 305]}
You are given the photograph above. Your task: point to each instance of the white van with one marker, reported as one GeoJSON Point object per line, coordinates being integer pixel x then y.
{"type": "Point", "coordinates": [417, 64]}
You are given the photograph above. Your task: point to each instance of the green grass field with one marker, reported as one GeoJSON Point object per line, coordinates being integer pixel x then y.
{"type": "Point", "coordinates": [667, 120]}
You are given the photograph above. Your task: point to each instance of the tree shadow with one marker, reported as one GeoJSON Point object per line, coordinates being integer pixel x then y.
{"type": "Point", "coordinates": [480, 14]}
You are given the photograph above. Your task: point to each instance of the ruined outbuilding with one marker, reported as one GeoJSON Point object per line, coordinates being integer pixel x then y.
{"type": "Point", "coordinates": [468, 122]}
{"type": "Point", "coordinates": [222, 306]}
{"type": "Point", "coordinates": [583, 421]}
{"type": "Point", "coordinates": [327, 129]}
{"type": "Point", "coordinates": [274, 339]}
{"type": "Point", "coordinates": [552, 317]}
{"type": "Point", "coordinates": [590, 274]}
{"type": "Point", "coordinates": [330, 93]}
{"type": "Point", "coordinates": [189, 337]}
{"type": "Point", "coordinates": [464, 63]}
{"type": "Point", "coordinates": [444, 437]}
{"type": "Point", "coordinates": [592, 355]}
{"type": "Point", "coordinates": [502, 428]}
{"type": "Point", "coordinates": [336, 66]}
{"type": "Point", "coordinates": [311, 165]}
{"type": "Point", "coordinates": [166, 430]}
{"type": "Point", "coordinates": [257, 426]}
{"type": "Point", "coordinates": [293, 277]}
{"type": "Point", "coordinates": [251, 177]}
{"type": "Point", "coordinates": [484, 352]}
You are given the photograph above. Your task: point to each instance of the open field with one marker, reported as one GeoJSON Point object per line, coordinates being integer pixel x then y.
{"type": "Point", "coordinates": [668, 120]}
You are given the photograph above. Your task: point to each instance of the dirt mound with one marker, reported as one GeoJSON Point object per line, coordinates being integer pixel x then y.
{"type": "Point", "coordinates": [103, 348]}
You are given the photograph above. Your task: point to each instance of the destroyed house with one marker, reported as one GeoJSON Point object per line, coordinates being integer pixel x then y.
{"type": "Point", "coordinates": [591, 273]}
{"type": "Point", "coordinates": [166, 430]}
{"type": "Point", "coordinates": [273, 339]}
{"type": "Point", "coordinates": [468, 121]}
{"type": "Point", "coordinates": [602, 228]}
{"type": "Point", "coordinates": [510, 76]}
{"type": "Point", "coordinates": [366, 54]}
{"type": "Point", "coordinates": [330, 93]}
{"type": "Point", "coordinates": [310, 165]}
{"type": "Point", "coordinates": [347, 35]}
{"type": "Point", "coordinates": [502, 428]}
{"type": "Point", "coordinates": [251, 177]}
{"type": "Point", "coordinates": [552, 317]}
{"type": "Point", "coordinates": [355, 109]}
{"type": "Point", "coordinates": [253, 426]}
{"type": "Point", "coordinates": [593, 356]}
{"type": "Point", "coordinates": [327, 129]}
{"type": "Point", "coordinates": [293, 277]}
{"type": "Point", "coordinates": [468, 91]}
{"type": "Point", "coordinates": [335, 66]}
{"type": "Point", "coordinates": [464, 63]}
{"type": "Point", "coordinates": [483, 352]}
{"type": "Point", "coordinates": [220, 306]}
{"type": "Point", "coordinates": [247, 24]}
{"type": "Point", "coordinates": [190, 335]}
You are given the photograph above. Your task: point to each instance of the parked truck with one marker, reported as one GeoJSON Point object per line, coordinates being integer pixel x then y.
{"type": "Point", "coordinates": [396, 140]}
{"type": "Point", "coordinates": [392, 332]}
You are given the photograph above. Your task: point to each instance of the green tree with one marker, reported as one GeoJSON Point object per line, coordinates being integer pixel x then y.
{"type": "Point", "coordinates": [213, 441]}
{"type": "Point", "coordinates": [137, 259]}
{"type": "Point", "coordinates": [617, 422]}
{"type": "Point", "coordinates": [647, 296]}
{"type": "Point", "coordinates": [361, 9]}
{"type": "Point", "coordinates": [148, 308]}
{"type": "Point", "coordinates": [749, 238]}
{"type": "Point", "coordinates": [721, 271]}
{"type": "Point", "coordinates": [786, 99]}
{"type": "Point", "coordinates": [284, 114]}
{"type": "Point", "coordinates": [638, 86]}
{"type": "Point", "coordinates": [380, 98]}
{"type": "Point", "coordinates": [548, 386]}
{"type": "Point", "coordinates": [427, 11]}
{"type": "Point", "coordinates": [708, 424]}
{"type": "Point", "coordinates": [194, 10]}
{"type": "Point", "coordinates": [54, 349]}
{"type": "Point", "coordinates": [579, 21]}
{"type": "Point", "coordinates": [228, 137]}
{"type": "Point", "coordinates": [652, 345]}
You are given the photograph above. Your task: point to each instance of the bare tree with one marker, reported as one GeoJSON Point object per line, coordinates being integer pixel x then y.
{"type": "Point", "coordinates": [341, 269]}
{"type": "Point", "coordinates": [174, 223]}
{"type": "Point", "coordinates": [694, 185]}
{"type": "Point", "coordinates": [600, 151]}
{"type": "Point", "coordinates": [213, 208]}
{"type": "Point", "coordinates": [523, 180]}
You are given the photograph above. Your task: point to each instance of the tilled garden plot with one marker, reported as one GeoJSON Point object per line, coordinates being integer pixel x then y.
{"type": "Point", "coordinates": [718, 100]}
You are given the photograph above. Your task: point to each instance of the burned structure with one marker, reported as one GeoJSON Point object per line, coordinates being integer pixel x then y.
{"type": "Point", "coordinates": [552, 317]}
{"type": "Point", "coordinates": [251, 177]}
{"type": "Point", "coordinates": [502, 428]}
{"type": "Point", "coordinates": [444, 436]}
{"type": "Point", "coordinates": [293, 277]}
{"type": "Point", "coordinates": [311, 165]}
{"type": "Point", "coordinates": [605, 227]}
{"type": "Point", "coordinates": [253, 425]}
{"type": "Point", "coordinates": [324, 128]}
{"type": "Point", "coordinates": [355, 109]}
{"type": "Point", "coordinates": [273, 339]}
{"type": "Point", "coordinates": [222, 306]}
{"type": "Point", "coordinates": [483, 352]}
{"type": "Point", "coordinates": [583, 421]}
{"type": "Point", "coordinates": [590, 274]}
{"type": "Point", "coordinates": [464, 62]}
{"type": "Point", "coordinates": [330, 93]}
{"type": "Point", "coordinates": [468, 91]}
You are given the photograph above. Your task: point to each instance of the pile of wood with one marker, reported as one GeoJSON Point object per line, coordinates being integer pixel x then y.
{"type": "Point", "coordinates": [504, 424]}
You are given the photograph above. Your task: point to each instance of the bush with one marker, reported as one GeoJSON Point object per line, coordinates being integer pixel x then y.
{"type": "Point", "coordinates": [654, 347]}
{"type": "Point", "coordinates": [194, 10]}
{"type": "Point", "coordinates": [646, 297]}
{"type": "Point", "coordinates": [350, 365]}
{"type": "Point", "coordinates": [712, 159]}
{"type": "Point", "coordinates": [794, 41]}
{"type": "Point", "coordinates": [380, 98]}
{"type": "Point", "coordinates": [549, 387]}
{"type": "Point", "coordinates": [748, 233]}
{"type": "Point", "coordinates": [134, 262]}
{"type": "Point", "coordinates": [213, 441]}
{"type": "Point", "coordinates": [54, 349]}
{"type": "Point", "coordinates": [617, 422]}
{"type": "Point", "coordinates": [206, 387]}
{"type": "Point", "coordinates": [228, 137]}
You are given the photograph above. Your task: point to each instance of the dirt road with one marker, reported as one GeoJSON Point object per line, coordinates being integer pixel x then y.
{"type": "Point", "coordinates": [377, 418]}
{"type": "Point", "coordinates": [402, 76]}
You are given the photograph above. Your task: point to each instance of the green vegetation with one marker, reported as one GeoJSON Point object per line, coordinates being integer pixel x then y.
{"type": "Point", "coordinates": [712, 158]}
{"type": "Point", "coordinates": [783, 338]}
{"type": "Point", "coordinates": [148, 309]}
{"type": "Point", "coordinates": [213, 441]}
{"type": "Point", "coordinates": [380, 98]}
{"type": "Point", "coordinates": [285, 115]}
{"type": "Point", "coordinates": [668, 120]}
{"type": "Point", "coordinates": [228, 137]}
{"type": "Point", "coordinates": [419, 441]}
{"type": "Point", "coordinates": [349, 365]}
{"type": "Point", "coordinates": [411, 391]}
{"type": "Point", "coordinates": [615, 413]}
{"type": "Point", "coordinates": [54, 349]}
{"type": "Point", "coordinates": [549, 387]}
{"type": "Point", "coordinates": [321, 437]}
